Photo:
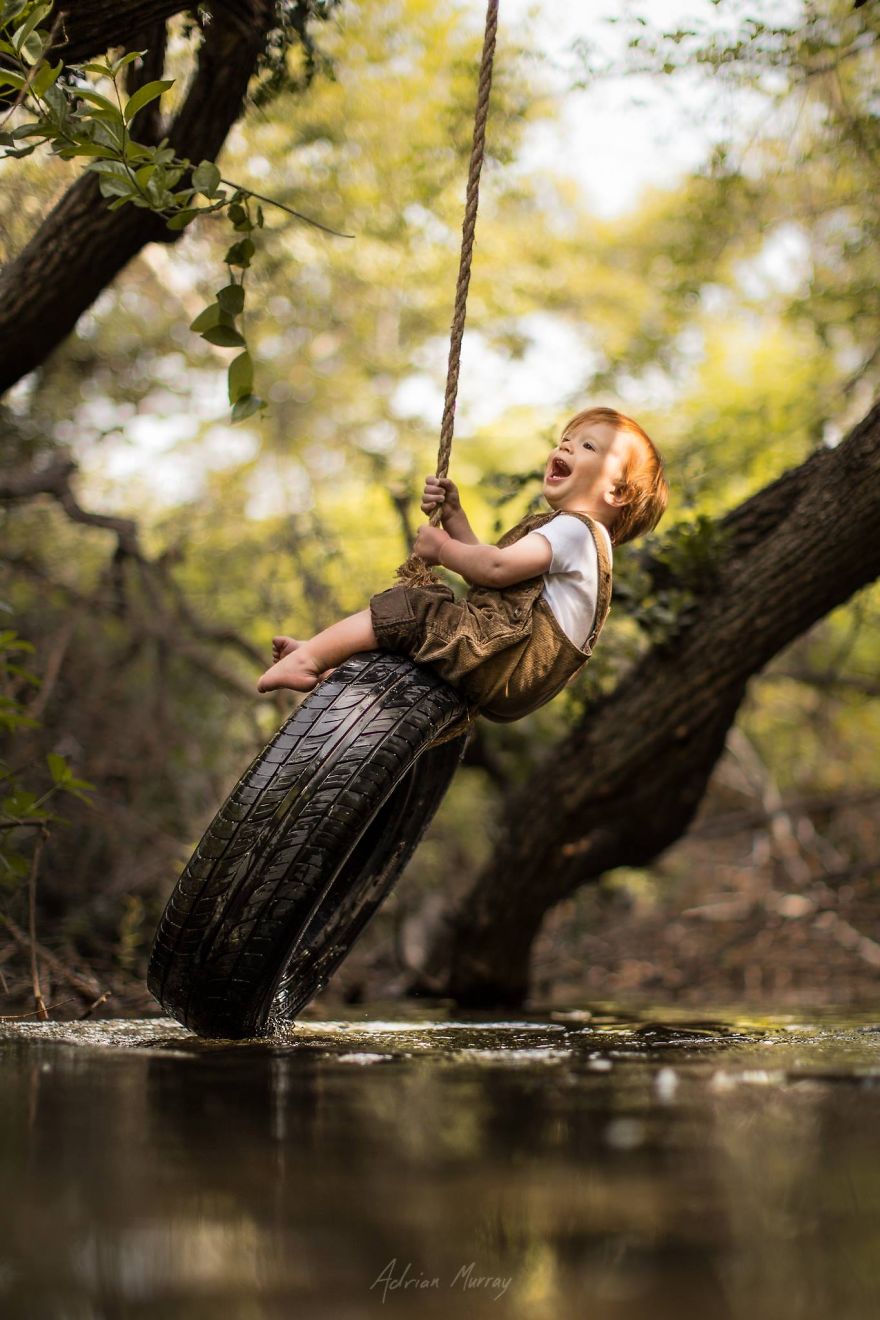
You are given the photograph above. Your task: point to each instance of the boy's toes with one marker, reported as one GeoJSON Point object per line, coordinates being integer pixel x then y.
{"type": "Point", "coordinates": [282, 646]}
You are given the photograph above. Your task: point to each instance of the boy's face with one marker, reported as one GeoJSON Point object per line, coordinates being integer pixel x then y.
{"type": "Point", "coordinates": [585, 468]}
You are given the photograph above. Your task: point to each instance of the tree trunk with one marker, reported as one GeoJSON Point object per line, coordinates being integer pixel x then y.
{"type": "Point", "coordinates": [626, 782]}
{"type": "Point", "coordinates": [81, 245]}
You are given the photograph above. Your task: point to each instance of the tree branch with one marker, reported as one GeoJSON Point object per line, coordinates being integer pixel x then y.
{"type": "Point", "coordinates": [836, 683]}
{"type": "Point", "coordinates": [91, 27]}
{"type": "Point", "coordinates": [54, 480]}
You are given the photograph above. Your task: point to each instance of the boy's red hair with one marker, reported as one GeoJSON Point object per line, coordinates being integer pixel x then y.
{"type": "Point", "coordinates": [643, 486]}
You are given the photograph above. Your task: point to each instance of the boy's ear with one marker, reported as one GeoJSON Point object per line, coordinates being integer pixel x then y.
{"type": "Point", "coordinates": [621, 494]}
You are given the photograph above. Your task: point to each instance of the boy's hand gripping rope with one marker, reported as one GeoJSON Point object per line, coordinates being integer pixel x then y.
{"type": "Point", "coordinates": [415, 572]}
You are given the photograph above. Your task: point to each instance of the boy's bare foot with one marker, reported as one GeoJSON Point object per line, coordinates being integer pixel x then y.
{"type": "Point", "coordinates": [282, 646]}
{"type": "Point", "coordinates": [296, 669]}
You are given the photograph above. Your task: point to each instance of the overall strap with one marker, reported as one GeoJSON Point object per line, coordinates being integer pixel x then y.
{"type": "Point", "coordinates": [603, 596]}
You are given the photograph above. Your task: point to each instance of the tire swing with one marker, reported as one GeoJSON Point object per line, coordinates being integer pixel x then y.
{"type": "Point", "coordinates": [321, 825]}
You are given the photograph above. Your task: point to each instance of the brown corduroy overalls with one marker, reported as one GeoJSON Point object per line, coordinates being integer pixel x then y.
{"type": "Point", "coordinates": [502, 649]}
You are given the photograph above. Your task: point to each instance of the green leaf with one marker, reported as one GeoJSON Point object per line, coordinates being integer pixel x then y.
{"type": "Point", "coordinates": [32, 49]}
{"type": "Point", "coordinates": [224, 336]}
{"type": "Point", "coordinates": [245, 407]}
{"type": "Point", "coordinates": [231, 299]}
{"type": "Point", "coordinates": [137, 151]}
{"type": "Point", "coordinates": [206, 178]}
{"type": "Point", "coordinates": [10, 79]}
{"type": "Point", "coordinates": [211, 316]}
{"type": "Point", "coordinates": [19, 803]}
{"type": "Point", "coordinates": [88, 149]}
{"type": "Point", "coordinates": [25, 675]}
{"type": "Point", "coordinates": [112, 185]}
{"type": "Point", "coordinates": [35, 129]}
{"type": "Point", "coordinates": [103, 69]}
{"type": "Point", "coordinates": [46, 77]}
{"type": "Point", "coordinates": [59, 769]}
{"type": "Point", "coordinates": [239, 217]}
{"type": "Point", "coordinates": [103, 108]}
{"type": "Point", "coordinates": [109, 167]}
{"type": "Point", "coordinates": [182, 219]}
{"type": "Point", "coordinates": [241, 377]}
{"type": "Point", "coordinates": [30, 24]}
{"type": "Point", "coordinates": [114, 174]}
{"type": "Point", "coordinates": [144, 174]}
{"type": "Point", "coordinates": [81, 793]}
{"type": "Point", "coordinates": [127, 59]}
{"type": "Point", "coordinates": [18, 866]}
{"type": "Point", "coordinates": [57, 101]}
{"type": "Point", "coordinates": [10, 640]}
{"type": "Point", "coordinates": [11, 9]}
{"type": "Point", "coordinates": [144, 95]}
{"type": "Point", "coordinates": [240, 253]}
{"type": "Point", "coordinates": [109, 133]}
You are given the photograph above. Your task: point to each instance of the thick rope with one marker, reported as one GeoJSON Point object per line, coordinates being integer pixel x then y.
{"type": "Point", "coordinates": [415, 571]}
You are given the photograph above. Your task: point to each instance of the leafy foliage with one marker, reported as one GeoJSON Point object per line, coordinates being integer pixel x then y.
{"type": "Point", "coordinates": [79, 122]}
{"type": "Point", "coordinates": [23, 809]}
{"type": "Point", "coordinates": [664, 586]}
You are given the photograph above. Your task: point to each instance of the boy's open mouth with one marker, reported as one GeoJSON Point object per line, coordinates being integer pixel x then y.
{"type": "Point", "coordinates": [558, 469]}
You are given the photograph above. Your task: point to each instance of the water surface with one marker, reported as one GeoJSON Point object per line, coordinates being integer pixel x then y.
{"type": "Point", "coordinates": [600, 1163]}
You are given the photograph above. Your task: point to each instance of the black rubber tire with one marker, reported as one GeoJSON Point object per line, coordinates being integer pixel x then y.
{"type": "Point", "coordinates": [305, 848]}
{"type": "Point", "coordinates": [369, 874]}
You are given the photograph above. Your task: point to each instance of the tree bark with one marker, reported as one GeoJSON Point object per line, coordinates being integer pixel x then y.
{"type": "Point", "coordinates": [91, 27]}
{"type": "Point", "coordinates": [82, 246]}
{"type": "Point", "coordinates": [626, 782]}
{"type": "Point", "coordinates": [81, 29]}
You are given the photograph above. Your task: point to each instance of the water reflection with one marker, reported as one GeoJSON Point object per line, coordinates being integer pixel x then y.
{"type": "Point", "coordinates": [581, 1163]}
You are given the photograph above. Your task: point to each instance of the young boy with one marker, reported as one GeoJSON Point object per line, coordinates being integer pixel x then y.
{"type": "Point", "coordinates": [538, 598]}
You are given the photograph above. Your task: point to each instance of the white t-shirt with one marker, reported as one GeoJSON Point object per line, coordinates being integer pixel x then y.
{"type": "Point", "coordinates": [571, 583]}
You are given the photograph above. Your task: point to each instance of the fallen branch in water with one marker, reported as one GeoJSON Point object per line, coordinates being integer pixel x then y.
{"type": "Point", "coordinates": [102, 999]}
{"type": "Point", "coordinates": [35, 1012]}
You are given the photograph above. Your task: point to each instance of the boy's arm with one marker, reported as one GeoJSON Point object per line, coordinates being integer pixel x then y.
{"type": "Point", "coordinates": [442, 491]}
{"type": "Point", "coordinates": [485, 565]}
{"type": "Point", "coordinates": [458, 527]}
